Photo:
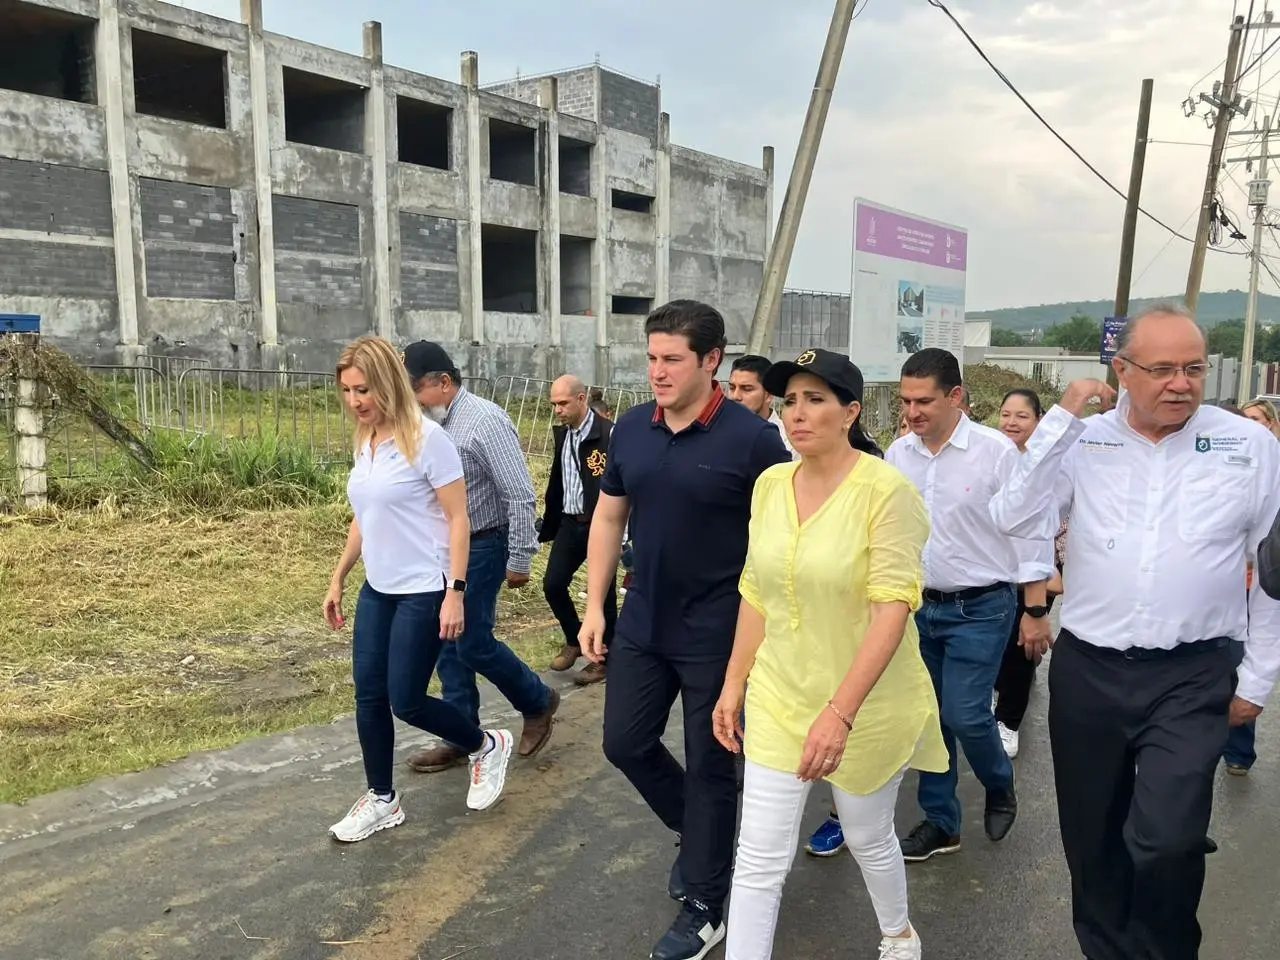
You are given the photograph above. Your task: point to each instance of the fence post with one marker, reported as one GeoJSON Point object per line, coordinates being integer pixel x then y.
{"type": "Point", "coordinates": [32, 445]}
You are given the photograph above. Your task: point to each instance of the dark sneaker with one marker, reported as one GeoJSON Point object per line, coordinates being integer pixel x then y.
{"type": "Point", "coordinates": [436, 759]}
{"type": "Point", "coordinates": [591, 673]}
{"type": "Point", "coordinates": [1001, 812]}
{"type": "Point", "coordinates": [1210, 845]}
{"type": "Point", "coordinates": [694, 934]}
{"type": "Point", "coordinates": [675, 883]}
{"type": "Point", "coordinates": [927, 840]}
{"type": "Point", "coordinates": [827, 840]}
{"type": "Point", "coordinates": [537, 730]}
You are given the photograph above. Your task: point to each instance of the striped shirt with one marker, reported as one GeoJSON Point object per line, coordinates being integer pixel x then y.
{"type": "Point", "coordinates": [499, 488]}
{"type": "Point", "coordinates": [570, 471]}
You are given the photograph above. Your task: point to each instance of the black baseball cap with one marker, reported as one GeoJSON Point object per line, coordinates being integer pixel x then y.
{"type": "Point", "coordinates": [423, 357]}
{"type": "Point", "coordinates": [839, 372]}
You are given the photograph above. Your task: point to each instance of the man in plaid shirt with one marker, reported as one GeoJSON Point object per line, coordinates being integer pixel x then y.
{"type": "Point", "coordinates": [501, 505]}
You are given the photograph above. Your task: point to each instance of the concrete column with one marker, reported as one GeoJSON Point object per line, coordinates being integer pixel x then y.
{"type": "Point", "coordinates": [126, 234]}
{"type": "Point", "coordinates": [600, 253]}
{"type": "Point", "coordinates": [768, 200]}
{"type": "Point", "coordinates": [273, 356]}
{"type": "Point", "coordinates": [549, 276]}
{"type": "Point", "coordinates": [475, 196]}
{"type": "Point", "coordinates": [662, 253]}
{"type": "Point", "coordinates": [31, 446]}
{"type": "Point", "coordinates": [376, 145]}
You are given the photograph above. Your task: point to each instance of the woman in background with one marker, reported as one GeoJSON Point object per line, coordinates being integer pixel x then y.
{"type": "Point", "coordinates": [828, 655]}
{"type": "Point", "coordinates": [1263, 412]}
{"type": "Point", "coordinates": [411, 530]}
{"type": "Point", "coordinates": [1020, 414]}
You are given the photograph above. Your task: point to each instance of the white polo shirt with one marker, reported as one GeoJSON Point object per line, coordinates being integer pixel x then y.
{"type": "Point", "coordinates": [403, 527]}
{"type": "Point", "coordinates": [1159, 532]}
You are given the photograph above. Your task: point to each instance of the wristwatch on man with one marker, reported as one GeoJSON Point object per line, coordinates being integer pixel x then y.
{"type": "Point", "coordinates": [1037, 613]}
{"type": "Point", "coordinates": [458, 586]}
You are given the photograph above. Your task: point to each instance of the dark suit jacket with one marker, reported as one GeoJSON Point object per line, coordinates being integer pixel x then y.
{"type": "Point", "coordinates": [593, 454]}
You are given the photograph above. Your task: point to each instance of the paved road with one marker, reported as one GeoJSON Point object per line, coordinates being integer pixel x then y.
{"type": "Point", "coordinates": [226, 856]}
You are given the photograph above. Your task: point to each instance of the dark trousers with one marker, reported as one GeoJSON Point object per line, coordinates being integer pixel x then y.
{"type": "Point", "coordinates": [699, 803]}
{"type": "Point", "coordinates": [568, 554]}
{"type": "Point", "coordinates": [395, 645]}
{"type": "Point", "coordinates": [478, 650]}
{"type": "Point", "coordinates": [1017, 676]}
{"type": "Point", "coordinates": [1240, 751]}
{"type": "Point", "coordinates": [961, 643]}
{"type": "Point", "coordinates": [1135, 745]}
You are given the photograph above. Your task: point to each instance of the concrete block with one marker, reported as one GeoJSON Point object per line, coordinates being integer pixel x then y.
{"type": "Point", "coordinates": [190, 274]}
{"type": "Point", "coordinates": [53, 131]}
{"type": "Point", "coordinates": [577, 216]}
{"type": "Point", "coordinates": [169, 150]}
{"type": "Point", "coordinates": [631, 269]}
{"type": "Point", "coordinates": [632, 163]}
{"type": "Point", "coordinates": [53, 198]}
{"type": "Point", "coordinates": [321, 282]}
{"type": "Point", "coordinates": [425, 287]}
{"type": "Point", "coordinates": [85, 328]}
{"type": "Point", "coordinates": [432, 240]}
{"type": "Point", "coordinates": [629, 105]}
{"type": "Point", "coordinates": [425, 190]}
{"type": "Point", "coordinates": [511, 205]}
{"type": "Point", "coordinates": [186, 212]}
{"type": "Point", "coordinates": [56, 269]}
{"type": "Point", "coordinates": [316, 226]}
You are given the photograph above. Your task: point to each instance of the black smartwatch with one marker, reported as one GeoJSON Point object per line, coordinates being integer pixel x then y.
{"type": "Point", "coordinates": [1037, 613]}
{"type": "Point", "coordinates": [458, 586]}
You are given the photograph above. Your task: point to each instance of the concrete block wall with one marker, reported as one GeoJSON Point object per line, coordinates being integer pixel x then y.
{"type": "Point", "coordinates": [273, 228]}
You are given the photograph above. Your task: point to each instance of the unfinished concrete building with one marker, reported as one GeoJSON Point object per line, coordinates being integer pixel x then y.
{"type": "Point", "coordinates": [175, 183]}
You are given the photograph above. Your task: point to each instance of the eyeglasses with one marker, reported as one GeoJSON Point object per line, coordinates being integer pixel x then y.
{"type": "Point", "coordinates": [1192, 371]}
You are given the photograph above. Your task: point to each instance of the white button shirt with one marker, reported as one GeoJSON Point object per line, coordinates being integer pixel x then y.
{"type": "Point", "coordinates": [1159, 532]}
{"type": "Point", "coordinates": [965, 549]}
{"type": "Point", "coordinates": [404, 532]}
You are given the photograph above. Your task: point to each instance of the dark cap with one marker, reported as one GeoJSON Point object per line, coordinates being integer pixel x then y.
{"type": "Point", "coordinates": [836, 369]}
{"type": "Point", "coordinates": [424, 357]}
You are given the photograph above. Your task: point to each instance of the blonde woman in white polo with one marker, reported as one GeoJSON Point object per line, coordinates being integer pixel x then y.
{"type": "Point", "coordinates": [412, 532]}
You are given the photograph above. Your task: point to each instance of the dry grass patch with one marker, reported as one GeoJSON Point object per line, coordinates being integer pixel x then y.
{"type": "Point", "coordinates": [134, 640]}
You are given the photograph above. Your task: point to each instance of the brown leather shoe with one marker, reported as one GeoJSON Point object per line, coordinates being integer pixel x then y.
{"type": "Point", "coordinates": [435, 759]}
{"type": "Point", "coordinates": [566, 658]}
{"type": "Point", "coordinates": [591, 673]}
{"type": "Point", "coordinates": [537, 730]}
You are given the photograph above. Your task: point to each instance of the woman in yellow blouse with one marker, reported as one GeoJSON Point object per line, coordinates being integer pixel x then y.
{"type": "Point", "coordinates": [837, 689]}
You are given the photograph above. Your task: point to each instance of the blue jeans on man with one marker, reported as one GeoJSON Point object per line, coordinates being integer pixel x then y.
{"type": "Point", "coordinates": [478, 650]}
{"type": "Point", "coordinates": [962, 643]}
{"type": "Point", "coordinates": [1240, 753]}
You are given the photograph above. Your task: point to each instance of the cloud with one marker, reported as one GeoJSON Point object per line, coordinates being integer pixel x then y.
{"type": "Point", "coordinates": [917, 121]}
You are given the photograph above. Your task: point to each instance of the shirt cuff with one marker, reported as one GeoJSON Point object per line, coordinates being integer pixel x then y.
{"type": "Point", "coordinates": [519, 564]}
{"type": "Point", "coordinates": [1252, 687]}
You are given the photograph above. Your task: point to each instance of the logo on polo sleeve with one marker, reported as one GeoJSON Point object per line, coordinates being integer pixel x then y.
{"type": "Point", "coordinates": [596, 463]}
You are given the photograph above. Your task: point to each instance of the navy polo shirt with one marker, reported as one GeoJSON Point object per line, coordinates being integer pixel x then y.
{"type": "Point", "coordinates": [690, 497]}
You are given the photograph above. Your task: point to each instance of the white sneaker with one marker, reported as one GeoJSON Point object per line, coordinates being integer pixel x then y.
{"type": "Point", "coordinates": [367, 817]}
{"type": "Point", "coordinates": [1010, 740]}
{"type": "Point", "coordinates": [909, 949]}
{"type": "Point", "coordinates": [489, 771]}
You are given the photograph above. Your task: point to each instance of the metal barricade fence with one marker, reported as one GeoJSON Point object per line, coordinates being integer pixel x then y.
{"type": "Point", "coordinates": [527, 401]}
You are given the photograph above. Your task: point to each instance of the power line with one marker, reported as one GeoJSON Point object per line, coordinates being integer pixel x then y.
{"type": "Point", "coordinates": [1047, 125]}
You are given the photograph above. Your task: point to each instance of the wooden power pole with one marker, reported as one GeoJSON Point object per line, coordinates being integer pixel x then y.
{"type": "Point", "coordinates": [1226, 103]}
{"type": "Point", "coordinates": [1130, 230]}
{"type": "Point", "coordinates": [784, 241]}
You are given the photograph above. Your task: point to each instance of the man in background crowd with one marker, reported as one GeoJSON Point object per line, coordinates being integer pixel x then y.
{"type": "Point", "coordinates": [501, 504]}
{"type": "Point", "coordinates": [746, 386]}
{"type": "Point", "coordinates": [581, 453]}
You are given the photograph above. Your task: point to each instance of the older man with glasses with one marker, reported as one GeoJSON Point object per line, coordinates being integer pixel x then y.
{"type": "Point", "coordinates": [1167, 498]}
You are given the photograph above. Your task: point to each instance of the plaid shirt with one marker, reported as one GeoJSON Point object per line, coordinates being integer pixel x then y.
{"type": "Point", "coordinates": [499, 488]}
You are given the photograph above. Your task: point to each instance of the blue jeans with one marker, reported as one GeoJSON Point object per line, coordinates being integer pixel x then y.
{"type": "Point", "coordinates": [1240, 751]}
{"type": "Point", "coordinates": [479, 651]}
{"type": "Point", "coordinates": [394, 649]}
{"type": "Point", "coordinates": [962, 644]}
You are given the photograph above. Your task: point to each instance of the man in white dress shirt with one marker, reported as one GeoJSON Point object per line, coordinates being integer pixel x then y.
{"type": "Point", "coordinates": [971, 573]}
{"type": "Point", "coordinates": [746, 386]}
{"type": "Point", "coordinates": [1166, 499]}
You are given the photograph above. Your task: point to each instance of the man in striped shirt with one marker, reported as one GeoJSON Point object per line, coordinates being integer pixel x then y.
{"type": "Point", "coordinates": [501, 505]}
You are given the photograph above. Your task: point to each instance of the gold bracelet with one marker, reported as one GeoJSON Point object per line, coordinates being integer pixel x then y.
{"type": "Point", "coordinates": [848, 724]}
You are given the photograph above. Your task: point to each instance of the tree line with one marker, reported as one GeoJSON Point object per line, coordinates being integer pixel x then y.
{"type": "Point", "coordinates": [1083, 334]}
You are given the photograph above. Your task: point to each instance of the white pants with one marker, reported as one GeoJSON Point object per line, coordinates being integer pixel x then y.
{"type": "Point", "coordinates": [772, 804]}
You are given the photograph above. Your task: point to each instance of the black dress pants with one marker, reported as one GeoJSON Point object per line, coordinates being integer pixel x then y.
{"type": "Point", "coordinates": [1136, 742]}
{"type": "Point", "coordinates": [699, 803]}
{"type": "Point", "coordinates": [1016, 678]}
{"type": "Point", "coordinates": [568, 554]}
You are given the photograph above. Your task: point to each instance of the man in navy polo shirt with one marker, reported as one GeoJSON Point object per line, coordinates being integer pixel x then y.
{"type": "Point", "coordinates": [682, 470]}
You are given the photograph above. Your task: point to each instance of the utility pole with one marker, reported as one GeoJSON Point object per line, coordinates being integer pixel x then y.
{"type": "Point", "coordinates": [784, 241]}
{"type": "Point", "coordinates": [1258, 190]}
{"type": "Point", "coordinates": [1131, 211]}
{"type": "Point", "coordinates": [1225, 100]}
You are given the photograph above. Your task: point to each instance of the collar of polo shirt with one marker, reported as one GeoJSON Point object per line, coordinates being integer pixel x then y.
{"type": "Point", "coordinates": [706, 417]}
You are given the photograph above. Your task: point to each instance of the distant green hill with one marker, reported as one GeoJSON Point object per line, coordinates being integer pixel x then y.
{"type": "Point", "coordinates": [1212, 310]}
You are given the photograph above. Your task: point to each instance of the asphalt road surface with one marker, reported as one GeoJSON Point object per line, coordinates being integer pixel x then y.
{"type": "Point", "coordinates": [226, 855]}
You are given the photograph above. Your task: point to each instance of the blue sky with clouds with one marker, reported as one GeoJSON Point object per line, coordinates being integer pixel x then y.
{"type": "Point", "coordinates": [918, 122]}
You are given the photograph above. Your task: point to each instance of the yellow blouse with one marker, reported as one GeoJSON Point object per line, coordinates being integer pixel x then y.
{"type": "Point", "coordinates": [814, 583]}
